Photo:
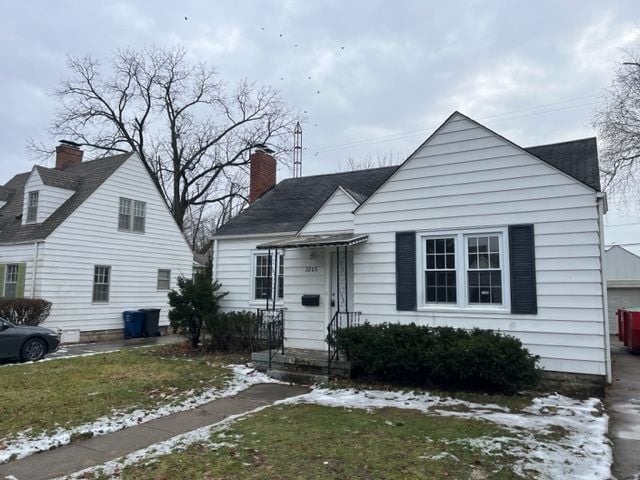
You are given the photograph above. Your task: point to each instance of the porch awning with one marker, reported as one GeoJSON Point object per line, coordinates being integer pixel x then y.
{"type": "Point", "coordinates": [332, 240]}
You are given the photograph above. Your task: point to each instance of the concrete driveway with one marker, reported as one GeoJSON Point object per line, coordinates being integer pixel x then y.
{"type": "Point", "coordinates": [623, 406]}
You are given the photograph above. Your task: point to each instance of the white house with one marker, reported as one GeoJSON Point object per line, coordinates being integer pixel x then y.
{"type": "Point", "coordinates": [95, 238]}
{"type": "Point", "coordinates": [471, 230]}
{"type": "Point", "coordinates": [622, 273]}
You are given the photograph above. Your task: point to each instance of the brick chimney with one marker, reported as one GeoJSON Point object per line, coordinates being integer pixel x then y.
{"type": "Point", "coordinates": [262, 167]}
{"type": "Point", "coordinates": [68, 153]}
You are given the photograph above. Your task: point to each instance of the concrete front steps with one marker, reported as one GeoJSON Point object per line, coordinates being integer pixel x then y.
{"type": "Point", "coordinates": [300, 366]}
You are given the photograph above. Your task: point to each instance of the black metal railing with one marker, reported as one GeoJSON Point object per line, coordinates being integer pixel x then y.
{"type": "Point", "coordinates": [269, 334]}
{"type": "Point", "coordinates": [340, 320]}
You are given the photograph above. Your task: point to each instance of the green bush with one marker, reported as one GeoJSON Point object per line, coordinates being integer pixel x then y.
{"type": "Point", "coordinates": [25, 311]}
{"type": "Point", "coordinates": [232, 331]}
{"type": "Point", "coordinates": [194, 304]}
{"type": "Point", "coordinates": [447, 357]}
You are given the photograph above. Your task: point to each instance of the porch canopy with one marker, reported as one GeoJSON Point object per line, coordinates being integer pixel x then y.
{"type": "Point", "coordinates": [302, 241]}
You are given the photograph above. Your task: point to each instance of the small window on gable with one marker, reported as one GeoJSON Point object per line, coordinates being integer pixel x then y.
{"type": "Point", "coordinates": [32, 207]}
{"type": "Point", "coordinates": [164, 279]}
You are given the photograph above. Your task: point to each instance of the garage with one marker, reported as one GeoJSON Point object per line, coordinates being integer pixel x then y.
{"type": "Point", "coordinates": [622, 271]}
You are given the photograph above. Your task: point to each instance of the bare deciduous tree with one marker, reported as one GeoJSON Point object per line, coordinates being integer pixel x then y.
{"type": "Point", "coordinates": [617, 121]}
{"type": "Point", "coordinates": [191, 131]}
{"type": "Point", "coordinates": [380, 159]}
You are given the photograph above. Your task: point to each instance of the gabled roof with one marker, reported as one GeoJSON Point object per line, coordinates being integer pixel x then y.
{"type": "Point", "coordinates": [289, 205]}
{"type": "Point", "coordinates": [85, 177]}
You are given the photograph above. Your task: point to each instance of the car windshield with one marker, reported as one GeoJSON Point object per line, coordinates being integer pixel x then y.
{"type": "Point", "coordinates": [5, 323]}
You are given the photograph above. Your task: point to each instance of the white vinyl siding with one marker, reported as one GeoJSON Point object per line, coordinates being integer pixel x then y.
{"type": "Point", "coordinates": [88, 237]}
{"type": "Point", "coordinates": [335, 215]}
{"type": "Point", "coordinates": [305, 273]}
{"type": "Point", "coordinates": [467, 178]}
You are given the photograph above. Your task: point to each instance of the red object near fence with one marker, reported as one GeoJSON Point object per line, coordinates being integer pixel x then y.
{"type": "Point", "coordinates": [632, 330]}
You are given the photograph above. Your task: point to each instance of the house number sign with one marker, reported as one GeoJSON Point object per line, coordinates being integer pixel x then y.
{"type": "Point", "coordinates": [312, 269]}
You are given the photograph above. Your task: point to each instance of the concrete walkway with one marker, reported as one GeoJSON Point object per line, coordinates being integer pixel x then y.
{"type": "Point", "coordinates": [623, 405]}
{"type": "Point", "coordinates": [97, 450]}
{"type": "Point", "coordinates": [71, 349]}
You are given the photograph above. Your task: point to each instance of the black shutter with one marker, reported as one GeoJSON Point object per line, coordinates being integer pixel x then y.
{"type": "Point", "coordinates": [522, 266]}
{"type": "Point", "coordinates": [405, 270]}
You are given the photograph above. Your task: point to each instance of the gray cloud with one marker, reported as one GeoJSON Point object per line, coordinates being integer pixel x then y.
{"type": "Point", "coordinates": [387, 73]}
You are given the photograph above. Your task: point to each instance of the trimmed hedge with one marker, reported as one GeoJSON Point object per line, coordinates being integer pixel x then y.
{"type": "Point", "coordinates": [231, 331]}
{"type": "Point", "coordinates": [25, 311]}
{"type": "Point", "coordinates": [448, 357]}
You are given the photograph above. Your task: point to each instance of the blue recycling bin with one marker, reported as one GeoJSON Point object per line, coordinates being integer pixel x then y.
{"type": "Point", "coordinates": [133, 323]}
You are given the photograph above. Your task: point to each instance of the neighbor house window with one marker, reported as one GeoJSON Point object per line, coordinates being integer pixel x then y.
{"type": "Point", "coordinates": [32, 207]}
{"type": "Point", "coordinates": [139, 210]}
{"type": "Point", "coordinates": [263, 268]}
{"type": "Point", "coordinates": [124, 219]}
{"type": "Point", "coordinates": [11, 281]}
{"type": "Point", "coordinates": [164, 279]}
{"type": "Point", "coordinates": [132, 215]}
{"type": "Point", "coordinates": [101, 278]}
{"type": "Point", "coordinates": [464, 269]}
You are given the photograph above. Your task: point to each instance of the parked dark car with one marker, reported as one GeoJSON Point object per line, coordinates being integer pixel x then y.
{"type": "Point", "coordinates": [25, 342]}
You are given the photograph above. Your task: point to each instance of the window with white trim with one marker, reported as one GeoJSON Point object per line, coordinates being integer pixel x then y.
{"type": "Point", "coordinates": [464, 269]}
{"type": "Point", "coordinates": [101, 280]}
{"type": "Point", "coordinates": [263, 267]}
{"type": "Point", "coordinates": [132, 215]}
{"type": "Point", "coordinates": [11, 281]}
{"type": "Point", "coordinates": [32, 206]}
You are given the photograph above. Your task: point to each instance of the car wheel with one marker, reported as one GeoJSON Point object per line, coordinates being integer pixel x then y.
{"type": "Point", "coordinates": [33, 350]}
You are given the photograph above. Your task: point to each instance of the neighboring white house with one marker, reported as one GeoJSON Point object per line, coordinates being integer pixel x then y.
{"type": "Point", "coordinates": [470, 231]}
{"type": "Point", "coordinates": [95, 238]}
{"type": "Point", "coordinates": [622, 273]}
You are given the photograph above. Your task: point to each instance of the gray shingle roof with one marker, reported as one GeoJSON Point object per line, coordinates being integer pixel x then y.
{"type": "Point", "coordinates": [289, 205]}
{"type": "Point", "coordinates": [58, 178]}
{"type": "Point", "coordinates": [293, 201]}
{"type": "Point", "coordinates": [85, 178]}
{"type": "Point", "coordinates": [577, 158]}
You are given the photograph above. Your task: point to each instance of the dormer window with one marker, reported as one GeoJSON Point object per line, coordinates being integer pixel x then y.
{"type": "Point", "coordinates": [132, 215]}
{"type": "Point", "coordinates": [32, 207]}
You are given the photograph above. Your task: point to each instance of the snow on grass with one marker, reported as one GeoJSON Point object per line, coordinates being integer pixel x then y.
{"type": "Point", "coordinates": [50, 359]}
{"type": "Point", "coordinates": [23, 445]}
{"type": "Point", "coordinates": [555, 437]}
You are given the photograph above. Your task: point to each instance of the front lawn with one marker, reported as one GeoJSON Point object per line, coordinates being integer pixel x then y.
{"type": "Point", "coordinates": [63, 393]}
{"type": "Point", "coordinates": [380, 434]}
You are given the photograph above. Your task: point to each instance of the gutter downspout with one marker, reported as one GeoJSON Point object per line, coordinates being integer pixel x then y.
{"type": "Point", "coordinates": [36, 252]}
{"type": "Point", "coordinates": [601, 200]}
{"type": "Point", "coordinates": [215, 260]}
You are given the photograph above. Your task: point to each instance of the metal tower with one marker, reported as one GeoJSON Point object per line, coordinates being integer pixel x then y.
{"type": "Point", "coordinates": [297, 151]}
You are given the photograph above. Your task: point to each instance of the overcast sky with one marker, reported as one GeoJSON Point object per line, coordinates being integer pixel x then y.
{"type": "Point", "coordinates": [374, 77]}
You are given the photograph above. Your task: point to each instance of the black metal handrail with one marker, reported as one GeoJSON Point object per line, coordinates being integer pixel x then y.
{"type": "Point", "coordinates": [270, 331]}
{"type": "Point", "coordinates": [340, 320]}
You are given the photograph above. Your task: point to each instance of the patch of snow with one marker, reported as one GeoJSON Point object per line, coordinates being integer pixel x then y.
{"type": "Point", "coordinates": [583, 452]}
{"type": "Point", "coordinates": [50, 359]}
{"type": "Point", "coordinates": [440, 456]}
{"type": "Point", "coordinates": [23, 445]}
